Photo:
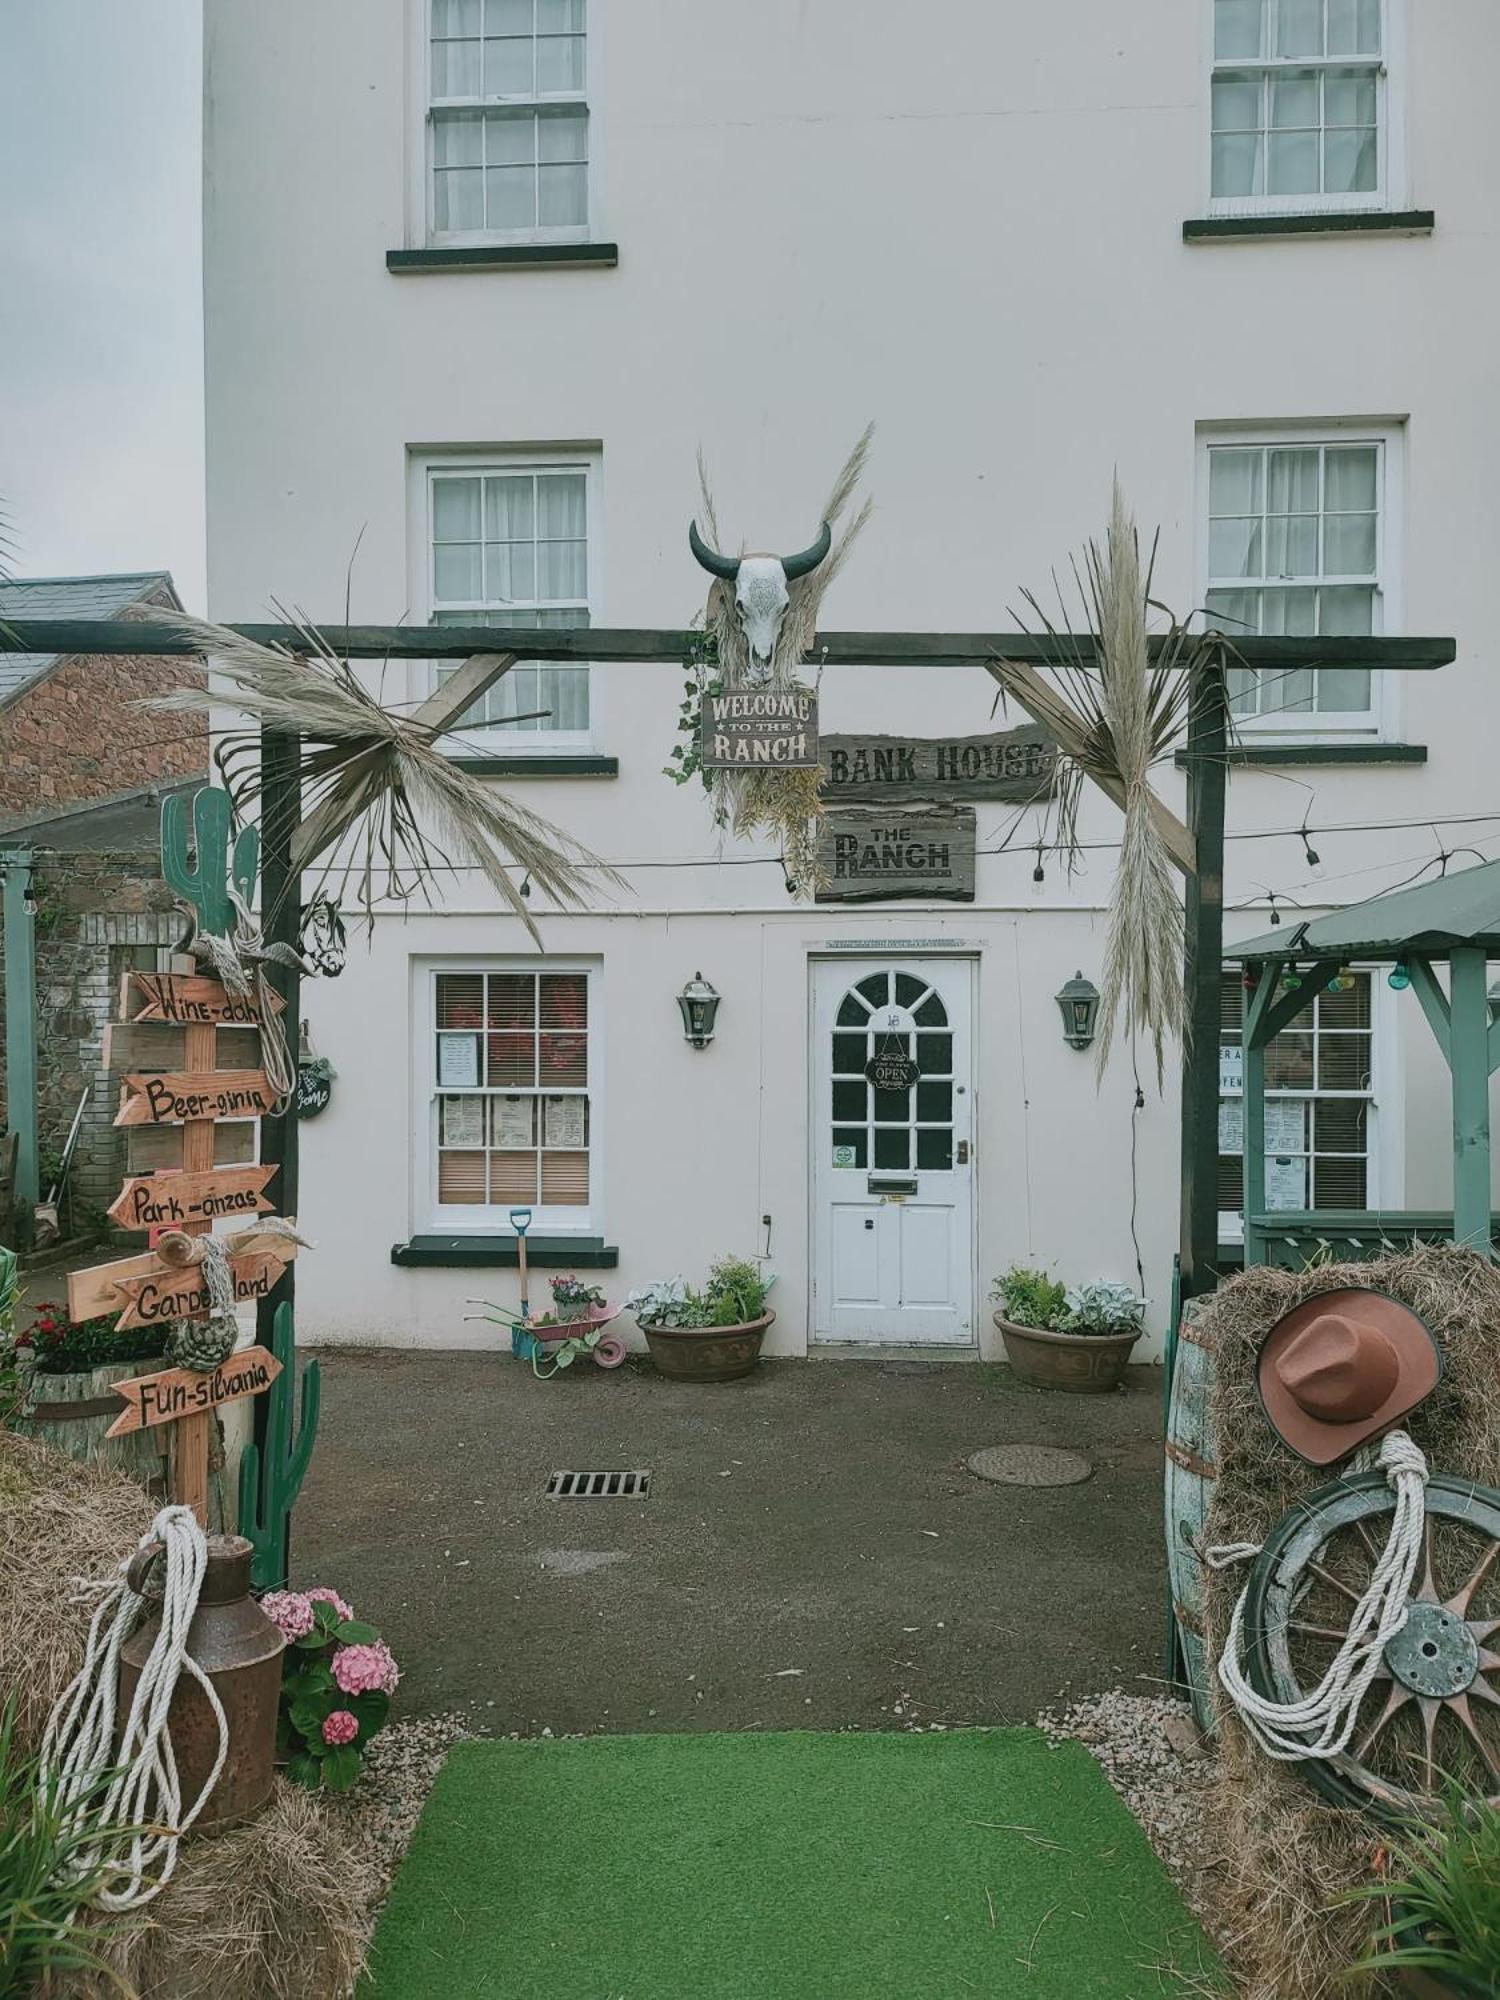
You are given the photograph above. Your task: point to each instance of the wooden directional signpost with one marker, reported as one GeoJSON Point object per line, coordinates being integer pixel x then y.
{"type": "Point", "coordinates": [192, 1188]}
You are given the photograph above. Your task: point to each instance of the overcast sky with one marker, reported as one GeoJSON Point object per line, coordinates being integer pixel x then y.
{"type": "Point", "coordinates": [101, 353]}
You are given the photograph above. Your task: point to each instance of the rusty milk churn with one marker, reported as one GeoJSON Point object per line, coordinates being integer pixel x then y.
{"type": "Point", "coordinates": [238, 1647]}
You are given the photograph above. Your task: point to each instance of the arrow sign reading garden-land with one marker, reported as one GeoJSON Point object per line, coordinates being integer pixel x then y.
{"type": "Point", "coordinates": [183, 1392]}
{"type": "Point", "coordinates": [172, 1200]}
{"type": "Point", "coordinates": [211, 1093]}
{"type": "Point", "coordinates": [150, 1291]}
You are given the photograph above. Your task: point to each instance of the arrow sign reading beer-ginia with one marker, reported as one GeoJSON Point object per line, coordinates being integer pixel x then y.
{"type": "Point", "coordinates": [184, 1392]}
{"type": "Point", "coordinates": [172, 1200]}
{"type": "Point", "coordinates": [212, 1093]}
{"type": "Point", "coordinates": [105, 1288]}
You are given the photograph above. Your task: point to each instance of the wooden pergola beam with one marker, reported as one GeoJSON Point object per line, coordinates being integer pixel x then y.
{"type": "Point", "coordinates": [644, 645]}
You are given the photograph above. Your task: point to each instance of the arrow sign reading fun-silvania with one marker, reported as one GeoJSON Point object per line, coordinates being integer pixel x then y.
{"type": "Point", "coordinates": [172, 1200]}
{"type": "Point", "coordinates": [211, 1093]}
{"type": "Point", "coordinates": [189, 1000]}
{"type": "Point", "coordinates": [183, 1392]}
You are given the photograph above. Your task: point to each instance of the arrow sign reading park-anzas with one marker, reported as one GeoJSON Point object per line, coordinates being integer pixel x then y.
{"type": "Point", "coordinates": [172, 1200]}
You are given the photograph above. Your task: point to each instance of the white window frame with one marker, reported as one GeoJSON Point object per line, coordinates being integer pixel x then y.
{"type": "Point", "coordinates": [1377, 723]}
{"type": "Point", "coordinates": [424, 468]}
{"type": "Point", "coordinates": [1385, 1178]}
{"type": "Point", "coordinates": [425, 104]}
{"type": "Point", "coordinates": [1390, 191]}
{"type": "Point", "coordinates": [473, 1219]}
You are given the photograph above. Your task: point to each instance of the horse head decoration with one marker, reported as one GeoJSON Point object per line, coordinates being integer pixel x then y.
{"type": "Point", "coordinates": [760, 590]}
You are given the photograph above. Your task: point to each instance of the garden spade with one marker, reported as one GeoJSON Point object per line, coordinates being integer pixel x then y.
{"type": "Point", "coordinates": [520, 1222]}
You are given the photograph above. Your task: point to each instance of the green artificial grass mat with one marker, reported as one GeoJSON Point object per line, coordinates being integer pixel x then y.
{"type": "Point", "coordinates": [782, 1867]}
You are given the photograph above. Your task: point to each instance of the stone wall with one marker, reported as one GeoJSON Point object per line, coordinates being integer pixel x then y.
{"type": "Point", "coordinates": [98, 915]}
{"type": "Point", "coordinates": [76, 735]}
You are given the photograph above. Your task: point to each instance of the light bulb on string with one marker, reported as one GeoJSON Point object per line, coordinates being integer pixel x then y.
{"type": "Point", "coordinates": [1398, 978]}
{"type": "Point", "coordinates": [1039, 873]}
{"type": "Point", "coordinates": [1314, 859]}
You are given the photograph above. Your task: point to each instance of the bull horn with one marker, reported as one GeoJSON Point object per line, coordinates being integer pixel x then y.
{"type": "Point", "coordinates": [712, 561]}
{"type": "Point", "coordinates": [809, 559]}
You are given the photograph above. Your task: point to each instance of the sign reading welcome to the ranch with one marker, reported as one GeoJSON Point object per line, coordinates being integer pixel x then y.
{"type": "Point", "coordinates": [1017, 765]}
{"type": "Point", "coordinates": [872, 856]}
{"type": "Point", "coordinates": [763, 729]}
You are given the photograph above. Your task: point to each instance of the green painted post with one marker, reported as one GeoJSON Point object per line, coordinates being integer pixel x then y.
{"type": "Point", "coordinates": [1253, 1101]}
{"type": "Point", "coordinates": [1468, 1045]}
{"type": "Point", "coordinates": [20, 1037]}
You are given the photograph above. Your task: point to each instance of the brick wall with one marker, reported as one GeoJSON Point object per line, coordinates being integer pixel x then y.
{"type": "Point", "coordinates": [97, 916]}
{"type": "Point", "coordinates": [76, 735]}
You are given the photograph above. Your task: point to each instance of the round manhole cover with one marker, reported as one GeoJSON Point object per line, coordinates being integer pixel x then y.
{"type": "Point", "coordinates": [1030, 1465]}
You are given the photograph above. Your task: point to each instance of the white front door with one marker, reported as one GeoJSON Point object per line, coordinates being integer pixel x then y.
{"type": "Point", "coordinates": [893, 1151]}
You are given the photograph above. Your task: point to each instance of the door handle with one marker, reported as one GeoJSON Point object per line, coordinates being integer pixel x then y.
{"type": "Point", "coordinates": [963, 1152]}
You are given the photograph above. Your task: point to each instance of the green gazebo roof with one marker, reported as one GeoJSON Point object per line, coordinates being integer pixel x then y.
{"type": "Point", "coordinates": [1427, 921]}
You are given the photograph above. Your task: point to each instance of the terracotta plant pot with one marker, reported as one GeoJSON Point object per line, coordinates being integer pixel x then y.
{"type": "Point", "coordinates": [707, 1353]}
{"type": "Point", "coordinates": [1085, 1364]}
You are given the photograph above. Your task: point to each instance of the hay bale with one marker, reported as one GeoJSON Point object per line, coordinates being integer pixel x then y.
{"type": "Point", "coordinates": [277, 1909]}
{"type": "Point", "coordinates": [1290, 1853]}
{"type": "Point", "coordinates": [60, 1521]}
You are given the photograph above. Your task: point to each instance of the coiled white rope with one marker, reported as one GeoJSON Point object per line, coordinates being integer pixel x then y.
{"type": "Point", "coordinates": [1321, 1723]}
{"type": "Point", "coordinates": [135, 1819]}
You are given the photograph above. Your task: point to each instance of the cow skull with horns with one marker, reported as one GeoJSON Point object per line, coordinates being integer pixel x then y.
{"type": "Point", "coordinates": [760, 591]}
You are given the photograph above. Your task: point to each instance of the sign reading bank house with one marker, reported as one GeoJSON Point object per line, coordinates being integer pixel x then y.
{"type": "Point", "coordinates": [771, 729]}
{"type": "Point", "coordinates": [877, 856]}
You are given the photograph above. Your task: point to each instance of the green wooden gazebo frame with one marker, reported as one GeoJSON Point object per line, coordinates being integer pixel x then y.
{"type": "Point", "coordinates": [1456, 918]}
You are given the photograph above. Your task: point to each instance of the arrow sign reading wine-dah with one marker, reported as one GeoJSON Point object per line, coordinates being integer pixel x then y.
{"type": "Point", "coordinates": [210, 1093]}
{"type": "Point", "coordinates": [147, 1286]}
{"type": "Point", "coordinates": [188, 1000]}
{"type": "Point", "coordinates": [172, 1200]}
{"type": "Point", "coordinates": [184, 1392]}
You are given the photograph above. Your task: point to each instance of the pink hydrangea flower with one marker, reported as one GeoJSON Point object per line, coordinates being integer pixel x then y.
{"type": "Point", "coordinates": [365, 1669]}
{"type": "Point", "coordinates": [321, 1594]}
{"type": "Point", "coordinates": [340, 1727]}
{"type": "Point", "coordinates": [290, 1612]}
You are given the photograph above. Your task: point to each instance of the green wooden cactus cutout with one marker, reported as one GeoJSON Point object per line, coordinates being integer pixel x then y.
{"type": "Point", "coordinates": [204, 886]}
{"type": "Point", "coordinates": [267, 1498]}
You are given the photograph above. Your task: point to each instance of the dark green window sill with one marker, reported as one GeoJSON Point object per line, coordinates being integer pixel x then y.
{"type": "Point", "coordinates": [560, 766]}
{"type": "Point", "coordinates": [1355, 222]}
{"type": "Point", "coordinates": [1274, 754]}
{"type": "Point", "coordinates": [506, 257]}
{"type": "Point", "coordinates": [550, 1253]}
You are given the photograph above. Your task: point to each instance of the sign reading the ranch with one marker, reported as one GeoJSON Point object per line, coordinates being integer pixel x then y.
{"type": "Point", "coordinates": [184, 1392]}
{"type": "Point", "coordinates": [769, 729]}
{"type": "Point", "coordinates": [874, 856]}
{"type": "Point", "coordinates": [1018, 765]}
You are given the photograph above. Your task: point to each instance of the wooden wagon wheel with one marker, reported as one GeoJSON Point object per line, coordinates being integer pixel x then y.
{"type": "Point", "coordinates": [1432, 1714]}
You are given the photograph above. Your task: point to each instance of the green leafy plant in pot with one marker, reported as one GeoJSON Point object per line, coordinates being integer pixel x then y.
{"type": "Point", "coordinates": [712, 1335]}
{"type": "Point", "coordinates": [1072, 1337]}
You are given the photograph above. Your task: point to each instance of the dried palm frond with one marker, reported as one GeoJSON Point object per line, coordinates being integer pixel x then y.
{"type": "Point", "coordinates": [1129, 695]}
{"type": "Point", "coordinates": [374, 783]}
{"type": "Point", "coordinates": [785, 804]}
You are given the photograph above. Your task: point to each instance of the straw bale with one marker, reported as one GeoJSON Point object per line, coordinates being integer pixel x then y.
{"type": "Point", "coordinates": [1292, 1854]}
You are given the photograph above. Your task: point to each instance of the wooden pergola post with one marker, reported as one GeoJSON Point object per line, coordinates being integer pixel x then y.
{"type": "Point", "coordinates": [21, 1041]}
{"type": "Point", "coordinates": [1203, 961]}
{"type": "Point", "coordinates": [1469, 1060]}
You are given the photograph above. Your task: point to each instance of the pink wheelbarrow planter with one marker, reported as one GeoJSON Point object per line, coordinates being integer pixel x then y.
{"type": "Point", "coordinates": [550, 1345]}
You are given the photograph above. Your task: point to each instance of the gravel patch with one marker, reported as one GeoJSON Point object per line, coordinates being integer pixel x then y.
{"type": "Point", "coordinates": [1169, 1792]}
{"type": "Point", "coordinates": [379, 1813]}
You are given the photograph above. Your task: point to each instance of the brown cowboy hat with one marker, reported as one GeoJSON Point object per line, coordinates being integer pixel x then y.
{"type": "Point", "coordinates": [1341, 1368]}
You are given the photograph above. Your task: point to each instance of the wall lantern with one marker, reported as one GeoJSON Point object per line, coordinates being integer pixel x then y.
{"type": "Point", "coordinates": [700, 1004]}
{"type": "Point", "coordinates": [1079, 1001]}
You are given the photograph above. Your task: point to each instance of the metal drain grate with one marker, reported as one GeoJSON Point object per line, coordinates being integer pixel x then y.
{"type": "Point", "coordinates": [599, 1486]}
